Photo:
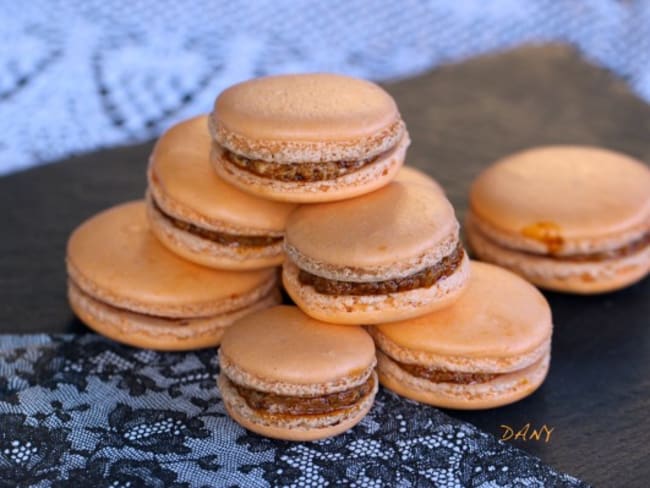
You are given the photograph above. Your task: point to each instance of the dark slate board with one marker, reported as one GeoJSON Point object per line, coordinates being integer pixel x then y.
{"type": "Point", "coordinates": [461, 118]}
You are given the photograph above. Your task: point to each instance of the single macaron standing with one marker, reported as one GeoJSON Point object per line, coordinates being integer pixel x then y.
{"type": "Point", "coordinates": [127, 286]}
{"type": "Point", "coordinates": [490, 348]}
{"type": "Point", "coordinates": [201, 217]}
{"type": "Point", "coordinates": [308, 137]}
{"type": "Point", "coordinates": [385, 256]}
{"type": "Point", "coordinates": [567, 218]}
{"type": "Point", "coordinates": [288, 376]}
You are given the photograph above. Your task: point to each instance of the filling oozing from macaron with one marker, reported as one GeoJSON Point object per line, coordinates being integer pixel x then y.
{"type": "Point", "coordinates": [307, 171]}
{"type": "Point", "coordinates": [554, 244]}
{"type": "Point", "coordinates": [619, 252]}
{"type": "Point", "coordinates": [424, 278]}
{"type": "Point", "coordinates": [223, 238]}
{"type": "Point", "coordinates": [304, 405]}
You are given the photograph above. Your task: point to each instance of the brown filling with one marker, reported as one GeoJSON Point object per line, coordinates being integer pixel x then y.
{"type": "Point", "coordinates": [222, 238]}
{"type": "Point", "coordinates": [422, 279]}
{"type": "Point", "coordinates": [293, 405]}
{"type": "Point", "coordinates": [327, 170]}
{"type": "Point", "coordinates": [443, 376]}
{"type": "Point", "coordinates": [619, 252]}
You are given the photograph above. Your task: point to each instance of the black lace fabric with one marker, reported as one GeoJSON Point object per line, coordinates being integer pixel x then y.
{"type": "Point", "coordinates": [85, 411]}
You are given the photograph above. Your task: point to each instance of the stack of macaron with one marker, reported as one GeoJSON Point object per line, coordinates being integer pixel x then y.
{"type": "Point", "coordinates": [373, 261]}
{"type": "Point", "coordinates": [306, 172]}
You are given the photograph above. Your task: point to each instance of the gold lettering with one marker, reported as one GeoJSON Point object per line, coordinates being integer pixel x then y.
{"type": "Point", "coordinates": [548, 432]}
{"type": "Point", "coordinates": [521, 434]}
{"type": "Point", "coordinates": [507, 432]}
{"type": "Point", "coordinates": [526, 434]}
{"type": "Point", "coordinates": [535, 435]}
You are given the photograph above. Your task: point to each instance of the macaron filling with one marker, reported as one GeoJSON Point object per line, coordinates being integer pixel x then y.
{"type": "Point", "coordinates": [223, 238]}
{"type": "Point", "coordinates": [424, 278]}
{"type": "Point", "coordinates": [554, 245]}
{"type": "Point", "coordinates": [434, 375]}
{"type": "Point", "coordinates": [620, 252]}
{"type": "Point", "coordinates": [446, 376]}
{"type": "Point", "coordinates": [272, 403]}
{"type": "Point", "coordinates": [304, 171]}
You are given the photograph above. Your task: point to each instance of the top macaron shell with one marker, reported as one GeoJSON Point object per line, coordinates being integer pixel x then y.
{"type": "Point", "coordinates": [114, 257]}
{"type": "Point", "coordinates": [398, 223]}
{"type": "Point", "coordinates": [499, 317]}
{"type": "Point", "coordinates": [185, 185]}
{"type": "Point", "coordinates": [587, 196]}
{"type": "Point", "coordinates": [283, 349]}
{"type": "Point", "coordinates": [307, 117]}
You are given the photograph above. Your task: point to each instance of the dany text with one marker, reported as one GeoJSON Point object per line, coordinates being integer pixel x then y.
{"type": "Point", "coordinates": [526, 433]}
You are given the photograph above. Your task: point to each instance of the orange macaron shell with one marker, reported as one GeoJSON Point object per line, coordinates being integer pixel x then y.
{"type": "Point", "coordinates": [498, 331]}
{"type": "Point", "coordinates": [306, 117]}
{"type": "Point", "coordinates": [184, 186]}
{"type": "Point", "coordinates": [374, 238]}
{"type": "Point", "coordinates": [119, 268]}
{"type": "Point", "coordinates": [569, 218]}
{"type": "Point", "coordinates": [300, 357]}
{"type": "Point", "coordinates": [586, 194]}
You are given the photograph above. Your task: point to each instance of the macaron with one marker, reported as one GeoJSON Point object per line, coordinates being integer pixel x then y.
{"type": "Point", "coordinates": [490, 348]}
{"type": "Point", "coordinates": [568, 218]}
{"type": "Point", "coordinates": [287, 376]}
{"type": "Point", "coordinates": [127, 286]}
{"type": "Point", "coordinates": [202, 218]}
{"type": "Point", "coordinates": [308, 137]}
{"type": "Point", "coordinates": [385, 256]}
{"type": "Point", "coordinates": [409, 174]}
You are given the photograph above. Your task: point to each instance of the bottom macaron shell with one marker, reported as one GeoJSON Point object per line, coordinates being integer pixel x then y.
{"type": "Point", "coordinates": [152, 332]}
{"type": "Point", "coordinates": [210, 253]}
{"type": "Point", "coordinates": [368, 178]}
{"type": "Point", "coordinates": [585, 277]}
{"type": "Point", "coordinates": [506, 389]}
{"type": "Point", "coordinates": [375, 309]}
{"type": "Point", "coordinates": [298, 429]}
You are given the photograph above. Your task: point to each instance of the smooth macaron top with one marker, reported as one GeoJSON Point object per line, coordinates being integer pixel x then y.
{"type": "Point", "coordinates": [398, 222]}
{"type": "Point", "coordinates": [409, 174]}
{"type": "Point", "coordinates": [185, 184]}
{"type": "Point", "coordinates": [499, 315]}
{"type": "Point", "coordinates": [283, 345]}
{"type": "Point", "coordinates": [115, 256]}
{"type": "Point", "coordinates": [306, 108]}
{"type": "Point", "coordinates": [572, 191]}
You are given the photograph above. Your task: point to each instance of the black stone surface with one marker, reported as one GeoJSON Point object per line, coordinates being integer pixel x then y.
{"type": "Point", "coordinates": [461, 118]}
